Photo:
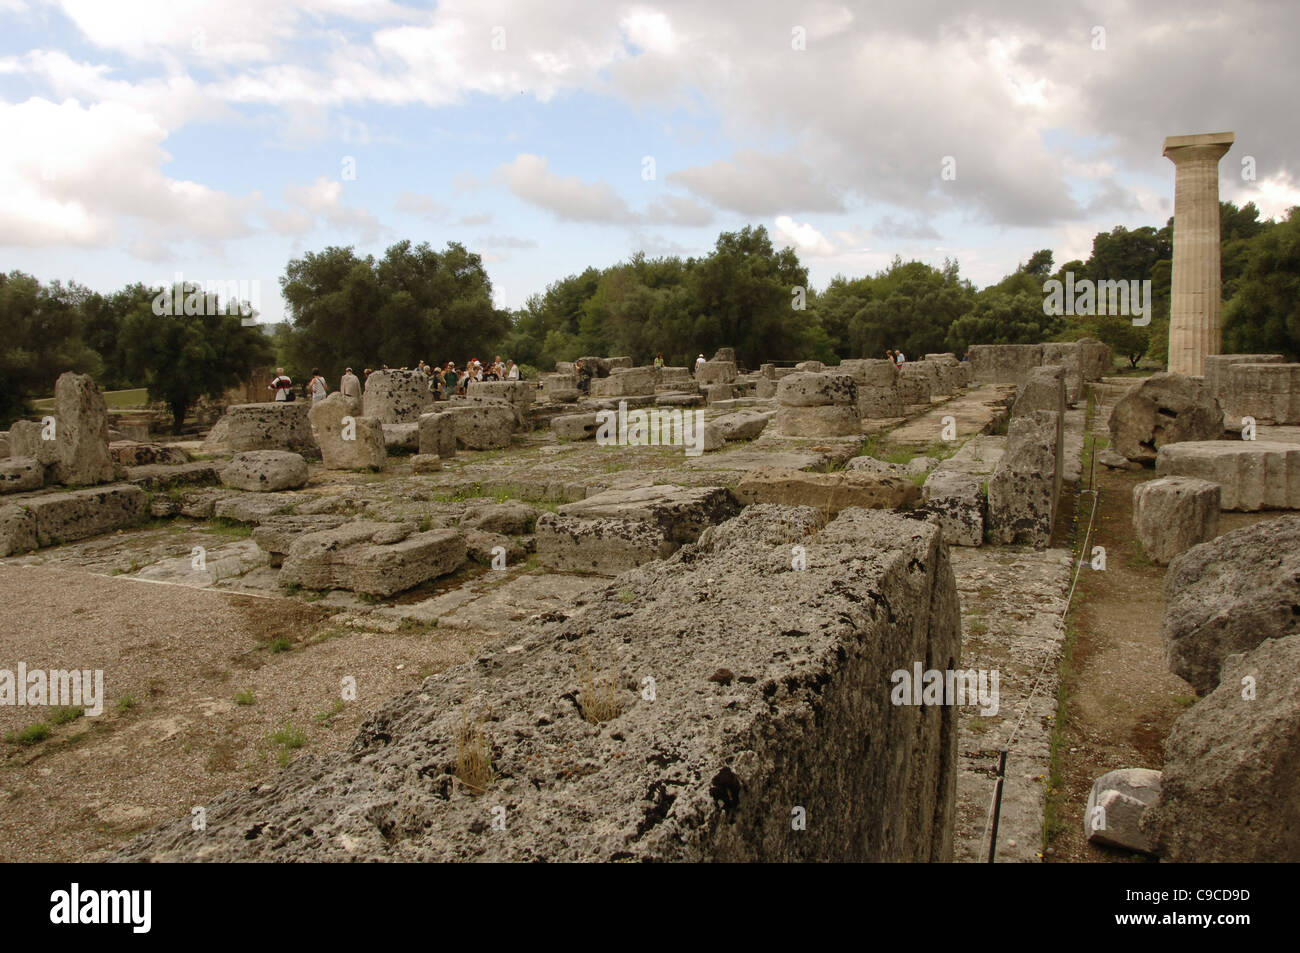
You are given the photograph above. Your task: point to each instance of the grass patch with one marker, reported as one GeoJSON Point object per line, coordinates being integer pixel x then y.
{"type": "Point", "coordinates": [126, 703]}
{"type": "Point", "coordinates": [978, 627]}
{"type": "Point", "coordinates": [244, 698]}
{"type": "Point", "coordinates": [61, 716]}
{"type": "Point", "coordinates": [326, 718]}
{"type": "Point", "coordinates": [223, 526]}
{"type": "Point", "coordinates": [597, 692]}
{"type": "Point", "coordinates": [280, 643]}
{"type": "Point", "coordinates": [31, 735]}
{"type": "Point", "coordinates": [288, 739]}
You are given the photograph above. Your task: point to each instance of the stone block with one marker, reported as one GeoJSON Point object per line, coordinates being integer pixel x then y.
{"type": "Point", "coordinates": [1163, 409]}
{"type": "Point", "coordinates": [401, 438]}
{"type": "Point", "coordinates": [80, 514]}
{"type": "Point", "coordinates": [1025, 487]}
{"type": "Point", "coordinates": [20, 474]}
{"type": "Point", "coordinates": [829, 492]}
{"type": "Point", "coordinates": [1004, 363]}
{"type": "Point", "coordinates": [1252, 474]}
{"type": "Point", "coordinates": [575, 426]}
{"type": "Point", "coordinates": [1268, 392]}
{"type": "Point", "coordinates": [396, 396]}
{"type": "Point", "coordinates": [817, 390]}
{"type": "Point", "coordinates": [829, 421]}
{"type": "Point", "coordinates": [1173, 514]}
{"type": "Point", "coordinates": [265, 471]}
{"type": "Point", "coordinates": [1116, 803]}
{"type": "Point", "coordinates": [1043, 389]}
{"type": "Point", "coordinates": [483, 426]}
{"type": "Point", "coordinates": [348, 442]}
{"type": "Point", "coordinates": [716, 372]}
{"type": "Point", "coordinates": [956, 502]}
{"type": "Point", "coordinates": [1218, 365]}
{"type": "Point", "coordinates": [276, 425]}
{"type": "Point", "coordinates": [438, 435]}
{"type": "Point", "coordinates": [378, 559]}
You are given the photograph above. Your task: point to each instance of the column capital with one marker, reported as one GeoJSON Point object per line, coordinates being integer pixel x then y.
{"type": "Point", "coordinates": [1201, 145]}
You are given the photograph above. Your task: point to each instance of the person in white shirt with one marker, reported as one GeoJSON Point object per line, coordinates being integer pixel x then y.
{"type": "Point", "coordinates": [899, 358]}
{"type": "Point", "coordinates": [699, 362]}
{"type": "Point", "coordinates": [281, 384]}
{"type": "Point", "coordinates": [317, 387]}
{"type": "Point", "coordinates": [349, 385]}
{"type": "Point", "coordinates": [513, 373]}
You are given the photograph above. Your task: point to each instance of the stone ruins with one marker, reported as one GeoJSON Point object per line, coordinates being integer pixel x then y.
{"type": "Point", "coordinates": [670, 656]}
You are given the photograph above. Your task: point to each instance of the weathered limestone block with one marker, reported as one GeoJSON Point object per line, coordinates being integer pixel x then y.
{"type": "Point", "coordinates": [930, 372]}
{"type": "Point", "coordinates": [4, 444]}
{"type": "Point", "coordinates": [880, 402]}
{"type": "Point", "coordinates": [1218, 365]}
{"type": "Point", "coordinates": [829, 421]}
{"type": "Point", "coordinates": [624, 382]}
{"type": "Point", "coordinates": [1163, 409]}
{"type": "Point", "coordinates": [82, 439]}
{"type": "Point", "coordinates": [1043, 389]}
{"type": "Point", "coordinates": [765, 388]}
{"type": "Point", "coordinates": [914, 390]}
{"type": "Point", "coordinates": [681, 512]}
{"type": "Point", "coordinates": [17, 529]}
{"type": "Point", "coordinates": [947, 357]}
{"type": "Point", "coordinates": [956, 502]}
{"type": "Point", "coordinates": [817, 390]}
{"type": "Point", "coordinates": [396, 396]}
{"type": "Point", "coordinates": [426, 462]}
{"type": "Point", "coordinates": [348, 442]}
{"type": "Point", "coordinates": [593, 366]}
{"type": "Point", "coordinates": [870, 372]}
{"type": "Point", "coordinates": [265, 471]}
{"type": "Point", "coordinates": [483, 426]}
{"type": "Point", "coordinates": [716, 372]}
{"type": "Point", "coordinates": [560, 387]}
{"type": "Point", "coordinates": [1026, 485]}
{"type": "Point", "coordinates": [602, 546]}
{"type": "Point", "coordinates": [1253, 474]}
{"type": "Point", "coordinates": [1173, 514]}
{"type": "Point", "coordinates": [1116, 803]}
{"type": "Point", "coordinates": [79, 514]}
{"type": "Point", "coordinates": [741, 425]}
{"type": "Point", "coordinates": [1228, 595]}
{"type": "Point", "coordinates": [1094, 358]}
{"type": "Point", "coordinates": [810, 367]}
{"type": "Point", "coordinates": [830, 492]}
{"type": "Point", "coordinates": [275, 534]}
{"type": "Point", "coordinates": [20, 474]}
{"type": "Point", "coordinates": [713, 393]}
{"type": "Point", "coordinates": [519, 393]}
{"type": "Point", "coordinates": [163, 476]}
{"type": "Point", "coordinates": [401, 438]}
{"type": "Point", "coordinates": [35, 439]}
{"type": "Point", "coordinates": [1268, 392]}
{"type": "Point", "coordinates": [575, 426]}
{"type": "Point", "coordinates": [1230, 787]}
{"type": "Point", "coordinates": [725, 354]}
{"type": "Point", "coordinates": [808, 658]}
{"type": "Point", "coordinates": [275, 425]}
{"type": "Point", "coordinates": [1070, 357]}
{"type": "Point", "coordinates": [438, 435]}
{"type": "Point", "coordinates": [379, 559]}
{"type": "Point", "coordinates": [510, 518]}
{"type": "Point", "coordinates": [255, 507]}
{"type": "Point", "coordinates": [674, 378]}
{"type": "Point", "coordinates": [617, 363]}
{"type": "Point", "coordinates": [128, 453]}
{"type": "Point", "coordinates": [1004, 363]}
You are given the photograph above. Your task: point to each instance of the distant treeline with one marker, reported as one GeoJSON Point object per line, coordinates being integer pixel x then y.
{"type": "Point", "coordinates": [416, 303]}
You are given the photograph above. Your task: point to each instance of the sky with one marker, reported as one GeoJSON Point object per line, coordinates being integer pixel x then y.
{"type": "Point", "coordinates": [146, 139]}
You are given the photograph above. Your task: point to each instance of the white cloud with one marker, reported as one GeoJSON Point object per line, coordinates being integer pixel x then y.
{"type": "Point", "coordinates": [566, 197]}
{"type": "Point", "coordinates": [754, 183]}
{"type": "Point", "coordinates": [804, 237]}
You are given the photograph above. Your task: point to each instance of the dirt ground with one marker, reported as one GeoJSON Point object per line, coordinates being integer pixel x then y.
{"type": "Point", "coordinates": [1121, 700]}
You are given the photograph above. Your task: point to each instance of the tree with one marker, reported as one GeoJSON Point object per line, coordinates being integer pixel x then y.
{"type": "Point", "coordinates": [1263, 315]}
{"type": "Point", "coordinates": [40, 338]}
{"type": "Point", "coordinates": [183, 357]}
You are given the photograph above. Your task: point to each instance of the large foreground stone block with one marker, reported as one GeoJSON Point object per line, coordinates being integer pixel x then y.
{"type": "Point", "coordinates": [82, 432]}
{"type": "Point", "coordinates": [1253, 474]}
{"type": "Point", "coordinates": [79, 514]}
{"type": "Point", "coordinates": [265, 471]}
{"type": "Point", "coordinates": [1069, 357]}
{"type": "Point", "coordinates": [1228, 595]}
{"type": "Point", "coordinates": [276, 425]}
{"type": "Point", "coordinates": [716, 372]}
{"type": "Point", "coordinates": [1026, 485]}
{"type": "Point", "coordinates": [575, 426]}
{"type": "Point", "coordinates": [682, 513]}
{"type": "Point", "coordinates": [396, 396]}
{"type": "Point", "coordinates": [379, 559]}
{"type": "Point", "coordinates": [1230, 787]}
{"type": "Point", "coordinates": [1173, 514]}
{"type": "Point", "coordinates": [1163, 409]}
{"type": "Point", "coordinates": [604, 547]}
{"type": "Point", "coordinates": [768, 681]}
{"type": "Point", "coordinates": [803, 389]}
{"type": "Point", "coordinates": [829, 492]}
{"type": "Point", "coordinates": [348, 442]}
{"type": "Point", "coordinates": [956, 502]}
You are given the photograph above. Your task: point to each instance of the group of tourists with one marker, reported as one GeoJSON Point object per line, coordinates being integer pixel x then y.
{"type": "Point", "coordinates": [444, 381]}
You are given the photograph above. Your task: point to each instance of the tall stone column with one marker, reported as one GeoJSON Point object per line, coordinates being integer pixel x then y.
{"type": "Point", "coordinates": [1194, 328]}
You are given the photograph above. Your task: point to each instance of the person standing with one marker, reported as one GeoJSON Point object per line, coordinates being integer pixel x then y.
{"type": "Point", "coordinates": [349, 385]}
{"type": "Point", "coordinates": [282, 385]}
{"type": "Point", "coordinates": [317, 387]}
{"type": "Point", "coordinates": [512, 374]}
{"type": "Point", "coordinates": [699, 362]}
{"type": "Point", "coordinates": [659, 360]}
{"type": "Point", "coordinates": [899, 359]}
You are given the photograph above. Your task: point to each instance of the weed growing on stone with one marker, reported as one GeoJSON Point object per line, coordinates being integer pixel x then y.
{"type": "Point", "coordinates": [473, 756]}
{"type": "Point", "coordinates": [32, 734]}
{"type": "Point", "coordinates": [597, 692]}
